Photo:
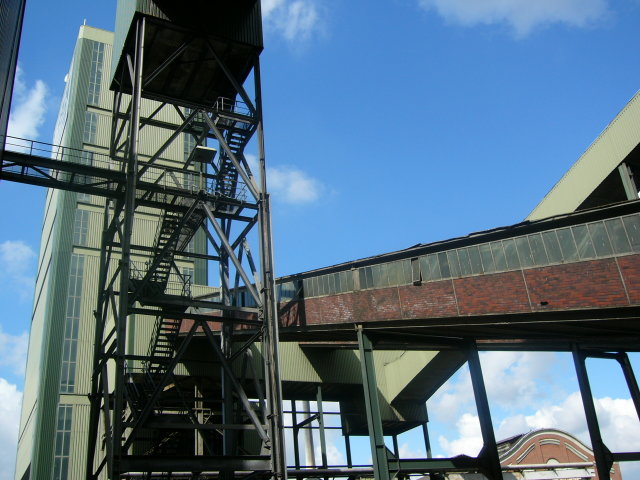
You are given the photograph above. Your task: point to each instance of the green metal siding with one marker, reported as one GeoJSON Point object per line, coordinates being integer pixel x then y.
{"type": "Point", "coordinates": [611, 147]}
{"type": "Point", "coordinates": [42, 385]}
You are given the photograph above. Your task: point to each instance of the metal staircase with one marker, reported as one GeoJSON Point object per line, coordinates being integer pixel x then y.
{"type": "Point", "coordinates": [175, 230]}
{"type": "Point", "coordinates": [162, 345]}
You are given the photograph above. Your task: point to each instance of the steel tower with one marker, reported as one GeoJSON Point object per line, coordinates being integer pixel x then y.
{"type": "Point", "coordinates": [199, 65]}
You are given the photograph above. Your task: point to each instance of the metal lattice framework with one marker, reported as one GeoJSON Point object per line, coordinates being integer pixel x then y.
{"type": "Point", "coordinates": [224, 199]}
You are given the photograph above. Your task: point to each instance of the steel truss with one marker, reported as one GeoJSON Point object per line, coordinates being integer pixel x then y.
{"type": "Point", "coordinates": [156, 422]}
{"type": "Point", "coordinates": [388, 465]}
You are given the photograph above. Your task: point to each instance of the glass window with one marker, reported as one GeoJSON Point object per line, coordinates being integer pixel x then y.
{"type": "Point", "coordinates": [337, 280]}
{"type": "Point", "coordinates": [434, 267]}
{"type": "Point", "coordinates": [326, 288]}
{"type": "Point", "coordinates": [349, 280]}
{"type": "Point", "coordinates": [289, 291]}
{"type": "Point", "coordinates": [474, 258]}
{"type": "Point", "coordinates": [537, 249]}
{"type": "Point", "coordinates": [524, 252]}
{"type": "Point", "coordinates": [71, 324]}
{"type": "Point", "coordinates": [454, 263]}
{"type": "Point", "coordinates": [375, 273]}
{"type": "Point", "coordinates": [632, 225]}
{"type": "Point", "coordinates": [306, 287]}
{"type": "Point", "coordinates": [395, 273]}
{"type": "Point", "coordinates": [331, 278]}
{"type": "Point", "coordinates": [498, 256]}
{"type": "Point", "coordinates": [567, 244]}
{"type": "Point", "coordinates": [189, 145]}
{"type": "Point", "coordinates": [443, 262]}
{"type": "Point", "coordinates": [90, 127]}
{"type": "Point", "coordinates": [406, 271]}
{"type": "Point", "coordinates": [62, 441]}
{"type": "Point", "coordinates": [552, 246]}
{"type": "Point", "coordinates": [488, 264]}
{"type": "Point", "coordinates": [316, 286]}
{"type": "Point", "coordinates": [95, 73]}
{"type": "Point", "coordinates": [416, 275]}
{"type": "Point", "coordinates": [583, 241]}
{"type": "Point", "coordinates": [369, 277]}
{"type": "Point", "coordinates": [190, 180]}
{"type": "Point", "coordinates": [600, 239]}
{"type": "Point", "coordinates": [424, 269]}
{"type": "Point", "coordinates": [465, 261]}
{"type": "Point", "coordinates": [187, 273]}
{"type": "Point", "coordinates": [384, 275]}
{"type": "Point", "coordinates": [618, 236]}
{"type": "Point", "coordinates": [86, 158]}
{"type": "Point", "coordinates": [80, 227]}
{"type": "Point", "coordinates": [511, 254]}
{"type": "Point", "coordinates": [362, 276]}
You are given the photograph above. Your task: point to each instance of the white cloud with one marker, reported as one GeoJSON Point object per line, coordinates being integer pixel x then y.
{"type": "Point", "coordinates": [296, 20]}
{"type": "Point", "coordinates": [16, 266]}
{"type": "Point", "coordinates": [289, 184]}
{"type": "Point", "coordinates": [512, 379]}
{"type": "Point", "coordinates": [334, 455]}
{"type": "Point", "coordinates": [13, 351]}
{"type": "Point", "coordinates": [293, 185]}
{"type": "Point", "coordinates": [617, 419]}
{"type": "Point", "coordinates": [523, 16]}
{"type": "Point", "coordinates": [10, 399]}
{"type": "Point", "coordinates": [28, 108]}
{"type": "Point", "coordinates": [469, 441]}
{"type": "Point", "coordinates": [408, 451]}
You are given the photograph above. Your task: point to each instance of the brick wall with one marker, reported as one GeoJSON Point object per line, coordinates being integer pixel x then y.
{"type": "Point", "coordinates": [601, 283]}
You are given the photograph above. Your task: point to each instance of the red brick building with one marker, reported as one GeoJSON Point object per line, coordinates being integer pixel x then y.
{"type": "Point", "coordinates": [549, 454]}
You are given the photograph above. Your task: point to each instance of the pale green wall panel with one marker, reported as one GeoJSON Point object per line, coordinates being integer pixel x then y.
{"type": "Point", "coordinates": [611, 147]}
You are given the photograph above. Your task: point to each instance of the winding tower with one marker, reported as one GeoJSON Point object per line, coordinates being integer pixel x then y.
{"type": "Point", "coordinates": [196, 65]}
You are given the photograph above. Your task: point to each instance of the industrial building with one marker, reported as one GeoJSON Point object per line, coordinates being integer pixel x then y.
{"type": "Point", "coordinates": [55, 410]}
{"type": "Point", "coordinates": [153, 367]}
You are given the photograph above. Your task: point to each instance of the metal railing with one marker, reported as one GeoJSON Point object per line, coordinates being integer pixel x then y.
{"type": "Point", "coordinates": [160, 176]}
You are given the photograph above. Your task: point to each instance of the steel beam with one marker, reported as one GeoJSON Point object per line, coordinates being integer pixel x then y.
{"type": "Point", "coordinates": [125, 256]}
{"type": "Point", "coordinates": [603, 457]}
{"type": "Point", "coordinates": [489, 453]}
{"type": "Point", "coordinates": [374, 421]}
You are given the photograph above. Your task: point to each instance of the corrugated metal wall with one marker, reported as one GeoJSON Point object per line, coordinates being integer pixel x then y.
{"type": "Point", "coordinates": [238, 21]}
{"type": "Point", "coordinates": [604, 155]}
{"type": "Point", "coordinates": [43, 372]}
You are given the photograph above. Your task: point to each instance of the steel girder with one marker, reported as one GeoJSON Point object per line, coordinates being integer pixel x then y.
{"type": "Point", "coordinates": [604, 458]}
{"type": "Point", "coordinates": [134, 417]}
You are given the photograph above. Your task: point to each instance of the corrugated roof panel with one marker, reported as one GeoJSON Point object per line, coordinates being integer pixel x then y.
{"type": "Point", "coordinates": [611, 147]}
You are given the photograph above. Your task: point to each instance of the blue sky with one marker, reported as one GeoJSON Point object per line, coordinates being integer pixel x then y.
{"type": "Point", "coordinates": [388, 123]}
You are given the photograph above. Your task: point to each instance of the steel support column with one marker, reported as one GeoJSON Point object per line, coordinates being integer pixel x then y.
{"type": "Point", "coordinates": [372, 403]}
{"type": "Point", "coordinates": [602, 455]}
{"type": "Point", "coordinates": [269, 301]}
{"type": "Point", "coordinates": [323, 441]}
{"type": "Point", "coordinates": [489, 454]}
{"type": "Point", "coordinates": [630, 377]}
{"type": "Point", "coordinates": [425, 433]}
{"type": "Point", "coordinates": [131, 166]}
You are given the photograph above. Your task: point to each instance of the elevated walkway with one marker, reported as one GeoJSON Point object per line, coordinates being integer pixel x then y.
{"type": "Point", "coordinates": [547, 283]}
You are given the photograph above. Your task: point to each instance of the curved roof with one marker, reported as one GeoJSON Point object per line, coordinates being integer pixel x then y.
{"type": "Point", "coordinates": [514, 445]}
